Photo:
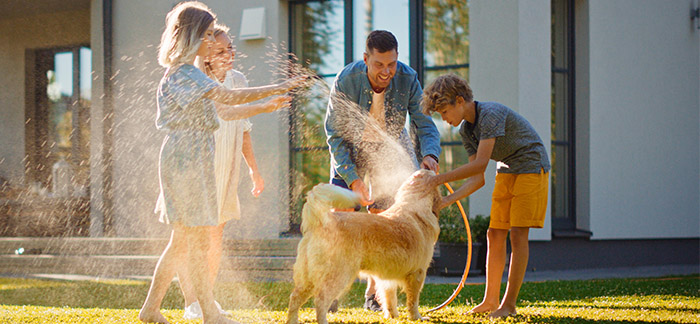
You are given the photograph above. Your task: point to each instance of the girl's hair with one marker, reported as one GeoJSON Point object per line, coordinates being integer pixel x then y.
{"type": "Point", "coordinates": [185, 26]}
{"type": "Point", "coordinates": [444, 91]}
{"type": "Point", "coordinates": [218, 30]}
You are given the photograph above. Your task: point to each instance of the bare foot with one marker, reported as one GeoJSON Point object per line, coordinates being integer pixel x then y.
{"type": "Point", "coordinates": [502, 312]}
{"type": "Point", "coordinates": [482, 308]}
{"type": "Point", "coordinates": [152, 317]}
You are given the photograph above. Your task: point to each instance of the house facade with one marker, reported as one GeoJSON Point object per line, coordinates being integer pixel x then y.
{"type": "Point", "coordinates": [613, 87]}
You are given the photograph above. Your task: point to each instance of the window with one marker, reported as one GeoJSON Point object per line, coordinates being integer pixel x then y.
{"type": "Point", "coordinates": [327, 35]}
{"type": "Point", "coordinates": [446, 50]}
{"type": "Point", "coordinates": [391, 15]}
{"type": "Point", "coordinates": [563, 194]}
{"type": "Point", "coordinates": [317, 37]}
{"type": "Point", "coordinates": [58, 116]}
{"type": "Point", "coordinates": [446, 35]}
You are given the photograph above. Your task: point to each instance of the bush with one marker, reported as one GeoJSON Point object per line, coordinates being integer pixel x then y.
{"type": "Point", "coordinates": [452, 229]}
{"type": "Point", "coordinates": [479, 226]}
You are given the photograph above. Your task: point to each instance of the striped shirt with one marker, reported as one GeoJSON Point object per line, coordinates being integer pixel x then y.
{"type": "Point", "coordinates": [518, 146]}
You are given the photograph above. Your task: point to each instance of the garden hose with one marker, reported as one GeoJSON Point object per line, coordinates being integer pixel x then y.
{"type": "Point", "coordinates": [469, 256]}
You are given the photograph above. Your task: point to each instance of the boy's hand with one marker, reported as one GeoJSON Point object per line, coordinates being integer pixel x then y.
{"type": "Point", "coordinates": [430, 180]}
{"type": "Point", "coordinates": [430, 163]}
{"type": "Point", "coordinates": [444, 202]}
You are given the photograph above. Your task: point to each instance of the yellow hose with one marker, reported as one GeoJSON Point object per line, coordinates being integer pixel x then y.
{"type": "Point", "coordinates": [469, 256]}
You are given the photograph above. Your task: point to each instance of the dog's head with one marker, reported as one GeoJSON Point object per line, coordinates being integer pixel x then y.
{"type": "Point", "coordinates": [418, 188]}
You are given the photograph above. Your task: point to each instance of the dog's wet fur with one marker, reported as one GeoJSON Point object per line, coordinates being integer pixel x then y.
{"type": "Point", "coordinates": [394, 247]}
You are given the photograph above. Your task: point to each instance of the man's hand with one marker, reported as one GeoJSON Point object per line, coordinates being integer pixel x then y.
{"type": "Point", "coordinates": [360, 189]}
{"type": "Point", "coordinates": [430, 163]}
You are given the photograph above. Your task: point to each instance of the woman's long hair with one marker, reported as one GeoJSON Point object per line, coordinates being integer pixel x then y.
{"type": "Point", "coordinates": [185, 25]}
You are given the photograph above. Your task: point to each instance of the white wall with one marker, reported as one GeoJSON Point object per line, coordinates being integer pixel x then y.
{"type": "Point", "coordinates": [16, 36]}
{"type": "Point", "coordinates": [267, 215]}
{"type": "Point", "coordinates": [644, 120]}
{"type": "Point", "coordinates": [510, 63]}
{"type": "Point", "coordinates": [136, 30]}
{"type": "Point", "coordinates": [97, 116]}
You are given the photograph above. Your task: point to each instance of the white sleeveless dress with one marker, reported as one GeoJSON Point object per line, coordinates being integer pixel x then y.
{"type": "Point", "coordinates": [228, 155]}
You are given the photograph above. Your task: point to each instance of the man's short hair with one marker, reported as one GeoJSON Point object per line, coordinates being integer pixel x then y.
{"type": "Point", "coordinates": [382, 41]}
{"type": "Point", "coordinates": [444, 91]}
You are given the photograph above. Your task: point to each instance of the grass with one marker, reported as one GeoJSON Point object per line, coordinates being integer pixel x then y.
{"type": "Point", "coordinates": [652, 300]}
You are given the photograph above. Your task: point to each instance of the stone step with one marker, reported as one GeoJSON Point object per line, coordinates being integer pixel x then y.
{"type": "Point", "coordinates": [136, 246]}
{"type": "Point", "coordinates": [123, 266]}
{"type": "Point", "coordinates": [271, 259]}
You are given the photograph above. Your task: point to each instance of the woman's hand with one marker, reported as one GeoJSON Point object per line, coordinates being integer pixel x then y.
{"type": "Point", "coordinates": [277, 103]}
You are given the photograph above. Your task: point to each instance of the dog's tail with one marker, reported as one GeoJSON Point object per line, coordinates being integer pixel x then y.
{"type": "Point", "coordinates": [319, 202]}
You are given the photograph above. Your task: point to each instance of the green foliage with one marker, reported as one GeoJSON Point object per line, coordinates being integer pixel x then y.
{"type": "Point", "coordinates": [662, 300]}
{"type": "Point", "coordinates": [447, 31]}
{"type": "Point", "coordinates": [479, 226]}
{"type": "Point", "coordinates": [452, 229]}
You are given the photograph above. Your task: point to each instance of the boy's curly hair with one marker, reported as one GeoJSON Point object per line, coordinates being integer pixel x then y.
{"type": "Point", "coordinates": [444, 91]}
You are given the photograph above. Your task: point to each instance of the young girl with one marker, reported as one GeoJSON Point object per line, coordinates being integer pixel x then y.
{"type": "Point", "coordinates": [232, 141]}
{"type": "Point", "coordinates": [186, 168]}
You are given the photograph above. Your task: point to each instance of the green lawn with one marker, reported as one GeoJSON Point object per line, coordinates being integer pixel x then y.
{"type": "Point", "coordinates": [653, 300]}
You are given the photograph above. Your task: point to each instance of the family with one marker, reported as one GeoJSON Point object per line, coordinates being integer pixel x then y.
{"type": "Point", "coordinates": [203, 104]}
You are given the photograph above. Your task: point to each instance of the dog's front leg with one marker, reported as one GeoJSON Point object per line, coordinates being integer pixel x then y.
{"type": "Point", "coordinates": [414, 284]}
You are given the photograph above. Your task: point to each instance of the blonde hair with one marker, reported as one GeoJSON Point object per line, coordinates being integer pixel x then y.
{"type": "Point", "coordinates": [444, 91]}
{"type": "Point", "coordinates": [218, 30]}
{"type": "Point", "coordinates": [185, 25]}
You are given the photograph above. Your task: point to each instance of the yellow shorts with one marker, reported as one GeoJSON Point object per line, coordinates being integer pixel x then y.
{"type": "Point", "coordinates": [519, 200]}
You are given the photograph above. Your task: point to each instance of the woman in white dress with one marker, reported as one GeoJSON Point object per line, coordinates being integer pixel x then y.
{"type": "Point", "coordinates": [232, 143]}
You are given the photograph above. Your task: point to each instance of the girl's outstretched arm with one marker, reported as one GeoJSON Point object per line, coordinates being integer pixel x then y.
{"type": "Point", "coordinates": [245, 95]}
{"type": "Point", "coordinates": [227, 112]}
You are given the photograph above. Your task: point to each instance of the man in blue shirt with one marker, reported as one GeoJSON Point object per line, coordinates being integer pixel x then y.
{"type": "Point", "coordinates": [383, 90]}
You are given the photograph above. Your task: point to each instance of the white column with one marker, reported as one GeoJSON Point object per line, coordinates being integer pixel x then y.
{"type": "Point", "coordinates": [510, 63]}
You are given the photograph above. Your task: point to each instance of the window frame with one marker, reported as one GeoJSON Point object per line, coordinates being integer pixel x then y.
{"type": "Point", "coordinates": [37, 108]}
{"type": "Point", "coordinates": [416, 61]}
{"type": "Point", "coordinates": [567, 223]}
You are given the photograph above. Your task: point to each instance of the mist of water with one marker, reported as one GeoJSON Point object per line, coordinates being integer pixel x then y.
{"type": "Point", "coordinates": [134, 177]}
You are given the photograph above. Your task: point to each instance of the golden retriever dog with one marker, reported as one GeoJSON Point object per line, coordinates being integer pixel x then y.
{"type": "Point", "coordinates": [395, 247]}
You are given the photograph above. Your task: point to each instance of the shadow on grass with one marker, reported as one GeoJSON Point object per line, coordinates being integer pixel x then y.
{"type": "Point", "coordinates": [585, 289]}
{"type": "Point", "coordinates": [645, 307]}
{"type": "Point", "coordinates": [568, 320]}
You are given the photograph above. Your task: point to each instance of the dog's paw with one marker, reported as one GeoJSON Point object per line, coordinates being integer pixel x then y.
{"type": "Point", "coordinates": [419, 318]}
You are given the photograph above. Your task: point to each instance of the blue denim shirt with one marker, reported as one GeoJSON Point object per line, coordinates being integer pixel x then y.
{"type": "Point", "coordinates": [402, 96]}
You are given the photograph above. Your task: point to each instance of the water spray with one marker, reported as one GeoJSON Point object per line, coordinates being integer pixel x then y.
{"type": "Point", "coordinates": [469, 256]}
